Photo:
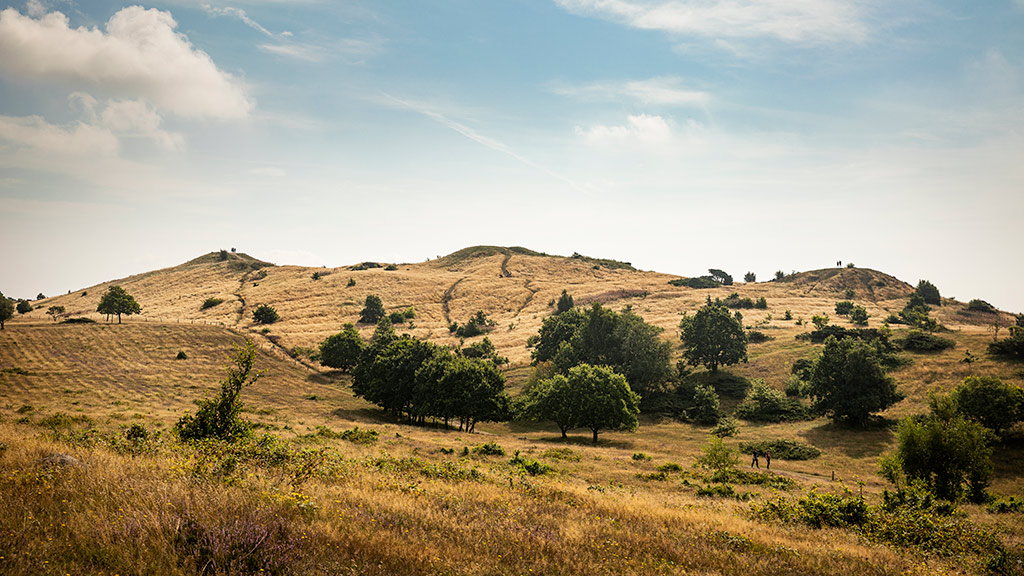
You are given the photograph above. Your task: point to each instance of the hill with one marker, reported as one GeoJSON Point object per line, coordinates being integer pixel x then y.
{"type": "Point", "coordinates": [424, 500]}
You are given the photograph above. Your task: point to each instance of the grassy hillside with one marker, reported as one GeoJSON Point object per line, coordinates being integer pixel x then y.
{"type": "Point", "coordinates": [420, 500]}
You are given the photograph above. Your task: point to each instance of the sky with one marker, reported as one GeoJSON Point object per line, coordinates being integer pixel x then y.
{"type": "Point", "coordinates": [678, 135]}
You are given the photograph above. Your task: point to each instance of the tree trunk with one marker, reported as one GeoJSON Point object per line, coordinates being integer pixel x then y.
{"type": "Point", "coordinates": [595, 435]}
{"type": "Point", "coordinates": [563, 433]}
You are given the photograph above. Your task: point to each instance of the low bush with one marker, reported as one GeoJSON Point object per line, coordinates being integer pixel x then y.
{"type": "Point", "coordinates": [765, 404]}
{"type": "Point", "coordinates": [211, 302]}
{"type": "Point", "coordinates": [640, 457]}
{"type": "Point", "coordinates": [859, 316]}
{"type": "Point", "coordinates": [531, 467]}
{"type": "Point", "coordinates": [1012, 347]}
{"type": "Point", "coordinates": [669, 467]}
{"type": "Point", "coordinates": [357, 436]}
{"type": "Point", "coordinates": [700, 282]}
{"type": "Point", "coordinates": [489, 449]}
{"type": "Point", "coordinates": [981, 306]}
{"type": "Point", "coordinates": [265, 314]}
{"type": "Point", "coordinates": [181, 355]}
{"type": "Point", "coordinates": [845, 307]}
{"type": "Point", "coordinates": [921, 341]}
{"type": "Point", "coordinates": [782, 449]}
{"type": "Point", "coordinates": [721, 491]}
{"type": "Point", "coordinates": [758, 337]}
{"type": "Point", "coordinates": [79, 320]}
{"type": "Point", "coordinates": [726, 428]}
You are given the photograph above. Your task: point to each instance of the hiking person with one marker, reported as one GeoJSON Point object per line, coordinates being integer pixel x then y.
{"type": "Point", "coordinates": [754, 462]}
{"type": "Point", "coordinates": [768, 459]}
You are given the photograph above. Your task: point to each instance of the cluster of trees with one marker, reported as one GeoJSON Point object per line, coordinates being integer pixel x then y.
{"type": "Point", "coordinates": [599, 336]}
{"type": "Point", "coordinates": [591, 397]}
{"type": "Point", "coordinates": [420, 380]}
{"type": "Point", "coordinates": [476, 326]}
{"type": "Point", "coordinates": [858, 314]}
{"type": "Point", "coordinates": [1012, 347]}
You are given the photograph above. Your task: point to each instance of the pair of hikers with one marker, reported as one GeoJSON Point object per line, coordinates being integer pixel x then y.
{"type": "Point", "coordinates": [755, 463]}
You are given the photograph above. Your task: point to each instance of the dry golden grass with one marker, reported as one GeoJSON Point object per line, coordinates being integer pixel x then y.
{"type": "Point", "coordinates": [594, 516]}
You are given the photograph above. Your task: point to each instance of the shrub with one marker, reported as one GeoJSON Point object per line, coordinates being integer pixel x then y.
{"type": "Point", "coordinates": [758, 337]}
{"type": "Point", "coordinates": [920, 341]}
{"type": "Point", "coordinates": [351, 283]}
{"type": "Point", "coordinates": [391, 267]}
{"type": "Point", "coordinates": [761, 303]}
{"type": "Point", "coordinates": [707, 407]}
{"type": "Point", "coordinates": [181, 355]}
{"type": "Point", "coordinates": [779, 274]}
{"type": "Point", "coordinates": [669, 467]}
{"type": "Point", "coordinates": [219, 418]}
{"type": "Point", "coordinates": [531, 467]}
{"type": "Point", "coordinates": [476, 326]}
{"type": "Point", "coordinates": [79, 320]}
{"type": "Point", "coordinates": [640, 457]}
{"type": "Point", "coordinates": [750, 277]}
{"type": "Point", "coordinates": [981, 306]}
{"type": "Point", "coordinates": [993, 403]}
{"type": "Point", "coordinates": [357, 436]}
{"type": "Point", "coordinates": [820, 321]}
{"type": "Point", "coordinates": [211, 302]}
{"type": "Point", "coordinates": [845, 307]}
{"type": "Point", "coordinates": [489, 449]}
{"type": "Point", "coordinates": [1012, 347]}
{"type": "Point", "coordinates": [859, 316]}
{"type": "Point", "coordinates": [265, 314]}
{"type": "Point", "coordinates": [715, 455]}
{"type": "Point", "coordinates": [396, 317]}
{"type": "Point", "coordinates": [782, 449]}
{"type": "Point", "coordinates": [701, 282]}
{"type": "Point", "coordinates": [787, 315]}
{"type": "Point", "coordinates": [24, 307]}
{"type": "Point", "coordinates": [849, 293]}
{"type": "Point", "coordinates": [718, 490]}
{"type": "Point", "coordinates": [765, 404]}
{"type": "Point", "coordinates": [726, 427]}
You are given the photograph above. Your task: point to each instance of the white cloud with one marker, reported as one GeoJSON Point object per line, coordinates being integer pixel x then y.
{"type": "Point", "coordinates": [659, 91]}
{"type": "Point", "coordinates": [35, 8]}
{"type": "Point", "coordinates": [241, 15]}
{"type": "Point", "coordinates": [79, 139]}
{"type": "Point", "coordinates": [791, 21]}
{"type": "Point", "coordinates": [140, 55]}
{"type": "Point", "coordinates": [136, 118]}
{"type": "Point", "coordinates": [642, 128]}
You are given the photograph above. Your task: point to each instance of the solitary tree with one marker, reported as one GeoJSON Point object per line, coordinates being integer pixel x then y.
{"type": "Point", "coordinates": [750, 277]}
{"type": "Point", "coordinates": [117, 301]}
{"type": "Point", "coordinates": [55, 311]}
{"type": "Point", "coordinates": [342, 350]}
{"type": "Point", "coordinates": [565, 302]}
{"type": "Point", "coordinates": [848, 382]}
{"type": "Point", "coordinates": [24, 306]}
{"type": "Point", "coordinates": [713, 337]}
{"type": "Point", "coordinates": [929, 292]}
{"type": "Point", "coordinates": [265, 314]}
{"type": "Point", "coordinates": [720, 276]}
{"type": "Point", "coordinates": [373, 311]}
{"type": "Point", "coordinates": [6, 310]}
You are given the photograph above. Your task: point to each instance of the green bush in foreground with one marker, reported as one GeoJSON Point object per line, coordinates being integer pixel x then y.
{"type": "Point", "coordinates": [219, 418]}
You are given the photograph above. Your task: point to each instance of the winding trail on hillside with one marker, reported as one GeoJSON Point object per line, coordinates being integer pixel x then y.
{"type": "Point", "coordinates": [241, 299]}
{"type": "Point", "coordinates": [504, 265]}
{"type": "Point", "coordinates": [448, 295]}
{"type": "Point", "coordinates": [533, 292]}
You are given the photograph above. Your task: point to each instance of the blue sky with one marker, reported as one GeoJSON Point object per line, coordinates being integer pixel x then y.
{"type": "Point", "coordinates": [678, 135]}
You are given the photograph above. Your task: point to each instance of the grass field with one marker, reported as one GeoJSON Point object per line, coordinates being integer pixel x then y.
{"type": "Point", "coordinates": [419, 500]}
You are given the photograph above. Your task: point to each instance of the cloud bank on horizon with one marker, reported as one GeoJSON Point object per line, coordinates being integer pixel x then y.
{"type": "Point", "coordinates": [676, 134]}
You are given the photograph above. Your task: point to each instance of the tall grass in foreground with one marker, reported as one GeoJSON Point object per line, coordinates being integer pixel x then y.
{"type": "Point", "coordinates": [154, 506]}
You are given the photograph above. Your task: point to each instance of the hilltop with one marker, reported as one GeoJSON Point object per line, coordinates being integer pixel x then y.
{"type": "Point", "coordinates": [516, 287]}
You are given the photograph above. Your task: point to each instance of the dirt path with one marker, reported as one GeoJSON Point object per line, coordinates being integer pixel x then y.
{"type": "Point", "coordinates": [448, 295]}
{"type": "Point", "coordinates": [504, 265]}
{"type": "Point", "coordinates": [533, 292]}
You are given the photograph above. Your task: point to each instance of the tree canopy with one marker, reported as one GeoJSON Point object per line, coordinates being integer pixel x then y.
{"type": "Point", "coordinates": [116, 301]}
{"type": "Point", "coordinates": [565, 302]}
{"type": "Point", "coordinates": [848, 382]}
{"type": "Point", "coordinates": [342, 350]}
{"type": "Point", "coordinates": [265, 314]}
{"type": "Point", "coordinates": [713, 337]}
{"type": "Point", "coordinates": [720, 276]}
{"type": "Point", "coordinates": [929, 292]}
{"type": "Point", "coordinates": [601, 336]}
{"type": "Point", "coordinates": [373, 310]}
{"type": "Point", "coordinates": [6, 310]}
{"type": "Point", "coordinates": [592, 397]}
{"type": "Point", "coordinates": [24, 306]}
{"type": "Point", "coordinates": [989, 401]}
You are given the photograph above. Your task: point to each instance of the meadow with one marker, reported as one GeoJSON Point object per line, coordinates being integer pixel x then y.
{"type": "Point", "coordinates": [335, 487]}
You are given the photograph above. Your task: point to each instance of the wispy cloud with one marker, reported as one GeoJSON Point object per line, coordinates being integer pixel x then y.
{"type": "Point", "coordinates": [241, 15]}
{"type": "Point", "coordinates": [659, 91]}
{"type": "Point", "coordinates": [477, 137]}
{"type": "Point", "coordinates": [792, 21]}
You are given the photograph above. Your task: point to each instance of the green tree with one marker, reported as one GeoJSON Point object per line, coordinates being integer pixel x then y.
{"type": "Point", "coordinates": [117, 301]}
{"type": "Point", "coordinates": [6, 310]}
{"type": "Point", "coordinates": [265, 314]}
{"type": "Point", "coordinates": [373, 310]}
{"type": "Point", "coordinates": [717, 456]}
{"type": "Point", "coordinates": [750, 277]}
{"type": "Point", "coordinates": [990, 402]}
{"type": "Point", "coordinates": [55, 311]}
{"type": "Point", "coordinates": [706, 405]}
{"type": "Point", "coordinates": [473, 391]}
{"type": "Point", "coordinates": [565, 303]}
{"type": "Point", "coordinates": [592, 397]}
{"type": "Point", "coordinates": [848, 382]}
{"type": "Point", "coordinates": [720, 276]}
{"type": "Point", "coordinates": [713, 337]}
{"type": "Point", "coordinates": [820, 321]}
{"type": "Point", "coordinates": [219, 418]}
{"type": "Point", "coordinates": [928, 292]}
{"type": "Point", "coordinates": [342, 350]}
{"type": "Point", "coordinates": [601, 336]}
{"type": "Point", "coordinates": [950, 454]}
{"type": "Point", "coordinates": [859, 316]}
{"type": "Point", "coordinates": [915, 313]}
{"type": "Point", "coordinates": [24, 306]}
